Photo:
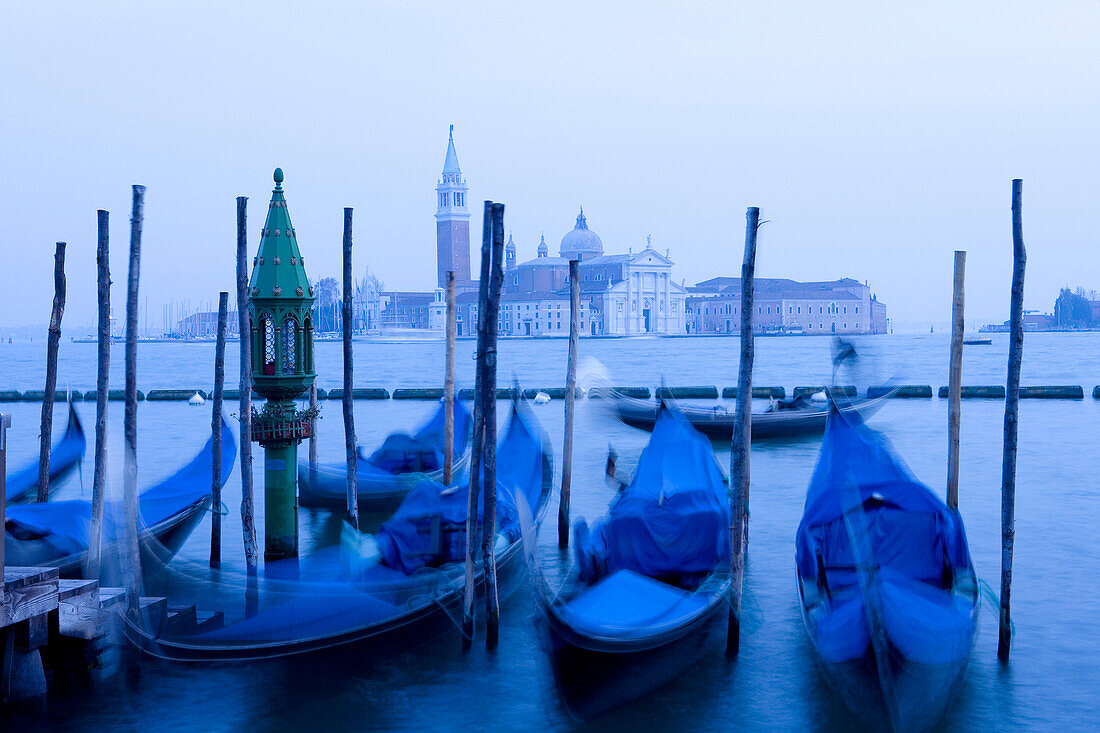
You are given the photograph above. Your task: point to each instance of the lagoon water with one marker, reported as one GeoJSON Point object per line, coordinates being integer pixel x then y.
{"type": "Point", "coordinates": [1053, 679]}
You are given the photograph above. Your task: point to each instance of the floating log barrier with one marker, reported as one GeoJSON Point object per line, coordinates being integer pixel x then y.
{"type": "Point", "coordinates": [359, 393]}
{"type": "Point", "coordinates": [13, 396]}
{"type": "Point", "coordinates": [554, 393]}
{"type": "Point", "coordinates": [687, 393]}
{"type": "Point", "coordinates": [844, 390]}
{"type": "Point", "coordinates": [1096, 392]}
{"type": "Point", "coordinates": [39, 395]}
{"type": "Point", "coordinates": [992, 392]}
{"type": "Point", "coordinates": [902, 391]}
{"type": "Point", "coordinates": [419, 393]}
{"type": "Point", "coordinates": [172, 395]}
{"type": "Point", "coordinates": [641, 393]}
{"type": "Point", "coordinates": [1063, 392]}
{"type": "Point", "coordinates": [758, 393]}
{"type": "Point", "coordinates": [116, 395]}
{"type": "Point", "coordinates": [502, 393]}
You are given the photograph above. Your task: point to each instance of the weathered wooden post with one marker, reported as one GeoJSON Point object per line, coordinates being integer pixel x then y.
{"type": "Point", "coordinates": [103, 370]}
{"type": "Point", "coordinates": [216, 428]}
{"type": "Point", "coordinates": [244, 324]}
{"type": "Point", "coordinates": [1012, 409]}
{"type": "Point", "coordinates": [742, 436]}
{"type": "Point", "coordinates": [570, 390]}
{"type": "Point", "coordinates": [51, 372]}
{"type": "Point", "coordinates": [349, 414]}
{"type": "Point", "coordinates": [313, 407]}
{"type": "Point", "coordinates": [131, 569]}
{"type": "Point", "coordinates": [489, 400]}
{"type": "Point", "coordinates": [449, 385]}
{"type": "Point", "coordinates": [5, 423]}
{"type": "Point", "coordinates": [954, 380]}
{"type": "Point", "coordinates": [479, 430]}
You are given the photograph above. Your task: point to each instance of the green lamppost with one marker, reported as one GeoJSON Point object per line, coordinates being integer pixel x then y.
{"type": "Point", "coordinates": [280, 306]}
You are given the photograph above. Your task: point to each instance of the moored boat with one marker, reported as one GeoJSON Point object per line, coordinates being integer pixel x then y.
{"type": "Point", "coordinates": [888, 591]}
{"type": "Point", "coordinates": [367, 608]}
{"type": "Point", "coordinates": [648, 595]}
{"type": "Point", "coordinates": [65, 455]}
{"type": "Point", "coordinates": [56, 534]}
{"type": "Point", "coordinates": [386, 476]}
{"type": "Point", "coordinates": [797, 417]}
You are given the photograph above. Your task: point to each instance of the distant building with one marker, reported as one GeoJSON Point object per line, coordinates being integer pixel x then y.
{"type": "Point", "coordinates": [204, 325]}
{"type": "Point", "coordinates": [844, 306]}
{"type": "Point", "coordinates": [452, 223]}
{"type": "Point", "coordinates": [1033, 321]}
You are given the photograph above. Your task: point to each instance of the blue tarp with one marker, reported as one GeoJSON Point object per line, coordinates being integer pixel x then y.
{"type": "Point", "coordinates": [65, 524]}
{"type": "Point", "coordinates": [861, 487]}
{"type": "Point", "coordinates": [68, 452]}
{"type": "Point", "coordinates": [626, 605]}
{"type": "Point", "coordinates": [422, 451]}
{"type": "Point", "coordinates": [429, 528]}
{"type": "Point", "coordinates": [909, 528]}
{"type": "Point", "coordinates": [673, 518]}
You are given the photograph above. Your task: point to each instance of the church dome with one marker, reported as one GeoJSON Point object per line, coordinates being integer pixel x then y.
{"type": "Point", "coordinates": [582, 241]}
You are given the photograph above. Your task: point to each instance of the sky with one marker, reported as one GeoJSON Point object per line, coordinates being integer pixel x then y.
{"type": "Point", "coordinates": [875, 137]}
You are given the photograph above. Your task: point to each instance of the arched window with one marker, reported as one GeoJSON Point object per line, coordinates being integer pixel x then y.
{"type": "Point", "coordinates": [290, 344]}
{"type": "Point", "coordinates": [267, 331]}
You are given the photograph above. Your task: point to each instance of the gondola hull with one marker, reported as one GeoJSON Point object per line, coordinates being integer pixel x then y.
{"type": "Point", "coordinates": [595, 675]}
{"type": "Point", "coordinates": [922, 692]}
{"type": "Point", "coordinates": [717, 424]}
{"type": "Point", "coordinates": [65, 457]}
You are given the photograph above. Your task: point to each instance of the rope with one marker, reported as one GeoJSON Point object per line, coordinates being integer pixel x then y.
{"type": "Point", "coordinates": [225, 509]}
{"type": "Point", "coordinates": [994, 602]}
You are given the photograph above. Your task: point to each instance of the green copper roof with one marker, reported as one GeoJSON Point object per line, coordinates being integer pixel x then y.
{"type": "Point", "coordinates": [278, 271]}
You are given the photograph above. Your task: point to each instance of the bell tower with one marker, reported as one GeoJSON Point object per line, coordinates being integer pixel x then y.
{"type": "Point", "coordinates": [452, 222]}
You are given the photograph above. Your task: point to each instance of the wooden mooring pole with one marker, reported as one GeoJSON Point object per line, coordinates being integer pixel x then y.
{"type": "Point", "coordinates": [347, 328]}
{"type": "Point", "coordinates": [479, 430]}
{"type": "Point", "coordinates": [51, 373]}
{"type": "Point", "coordinates": [449, 385]}
{"type": "Point", "coordinates": [103, 370]}
{"type": "Point", "coordinates": [570, 400]}
{"type": "Point", "coordinates": [489, 410]}
{"type": "Point", "coordinates": [313, 407]}
{"type": "Point", "coordinates": [5, 423]}
{"type": "Point", "coordinates": [248, 519]}
{"type": "Point", "coordinates": [131, 569]}
{"type": "Point", "coordinates": [216, 432]}
{"type": "Point", "coordinates": [1012, 410]}
{"type": "Point", "coordinates": [742, 436]}
{"type": "Point", "coordinates": [954, 380]}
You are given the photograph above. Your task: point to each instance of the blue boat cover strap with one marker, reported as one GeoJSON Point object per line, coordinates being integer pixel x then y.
{"type": "Point", "coordinates": [673, 518]}
{"type": "Point", "coordinates": [429, 528]}
{"type": "Point", "coordinates": [627, 605]}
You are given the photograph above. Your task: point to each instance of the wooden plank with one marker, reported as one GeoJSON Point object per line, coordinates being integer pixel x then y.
{"type": "Point", "coordinates": [28, 592]}
{"type": "Point", "coordinates": [78, 612]}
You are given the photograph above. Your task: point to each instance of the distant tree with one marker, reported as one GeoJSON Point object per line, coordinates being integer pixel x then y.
{"type": "Point", "coordinates": [327, 292]}
{"type": "Point", "coordinates": [1072, 309]}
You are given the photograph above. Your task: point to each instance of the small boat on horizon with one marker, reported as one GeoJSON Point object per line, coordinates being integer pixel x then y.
{"type": "Point", "coordinates": [888, 591]}
{"type": "Point", "coordinates": [648, 594]}
{"type": "Point", "coordinates": [977, 341]}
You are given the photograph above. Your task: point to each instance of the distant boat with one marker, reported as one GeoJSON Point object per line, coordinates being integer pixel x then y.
{"type": "Point", "coordinates": [888, 591]}
{"type": "Point", "coordinates": [387, 475]}
{"type": "Point", "coordinates": [65, 455]}
{"type": "Point", "coordinates": [799, 416]}
{"type": "Point", "coordinates": [978, 341]}
{"type": "Point", "coordinates": [649, 593]}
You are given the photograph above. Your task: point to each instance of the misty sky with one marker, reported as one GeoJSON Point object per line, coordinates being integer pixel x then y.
{"type": "Point", "coordinates": [876, 138]}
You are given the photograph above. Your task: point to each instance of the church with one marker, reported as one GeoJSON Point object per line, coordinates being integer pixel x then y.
{"type": "Point", "coordinates": [621, 294]}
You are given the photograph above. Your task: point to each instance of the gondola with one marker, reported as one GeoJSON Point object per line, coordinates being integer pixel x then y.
{"type": "Point", "coordinates": [56, 534]}
{"type": "Point", "coordinates": [386, 476]}
{"type": "Point", "coordinates": [888, 591]}
{"type": "Point", "coordinates": [796, 417]}
{"type": "Point", "coordinates": [648, 594]}
{"type": "Point", "coordinates": [366, 611]}
{"type": "Point", "coordinates": [64, 457]}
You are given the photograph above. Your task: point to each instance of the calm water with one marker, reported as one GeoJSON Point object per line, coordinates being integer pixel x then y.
{"type": "Point", "coordinates": [1053, 678]}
